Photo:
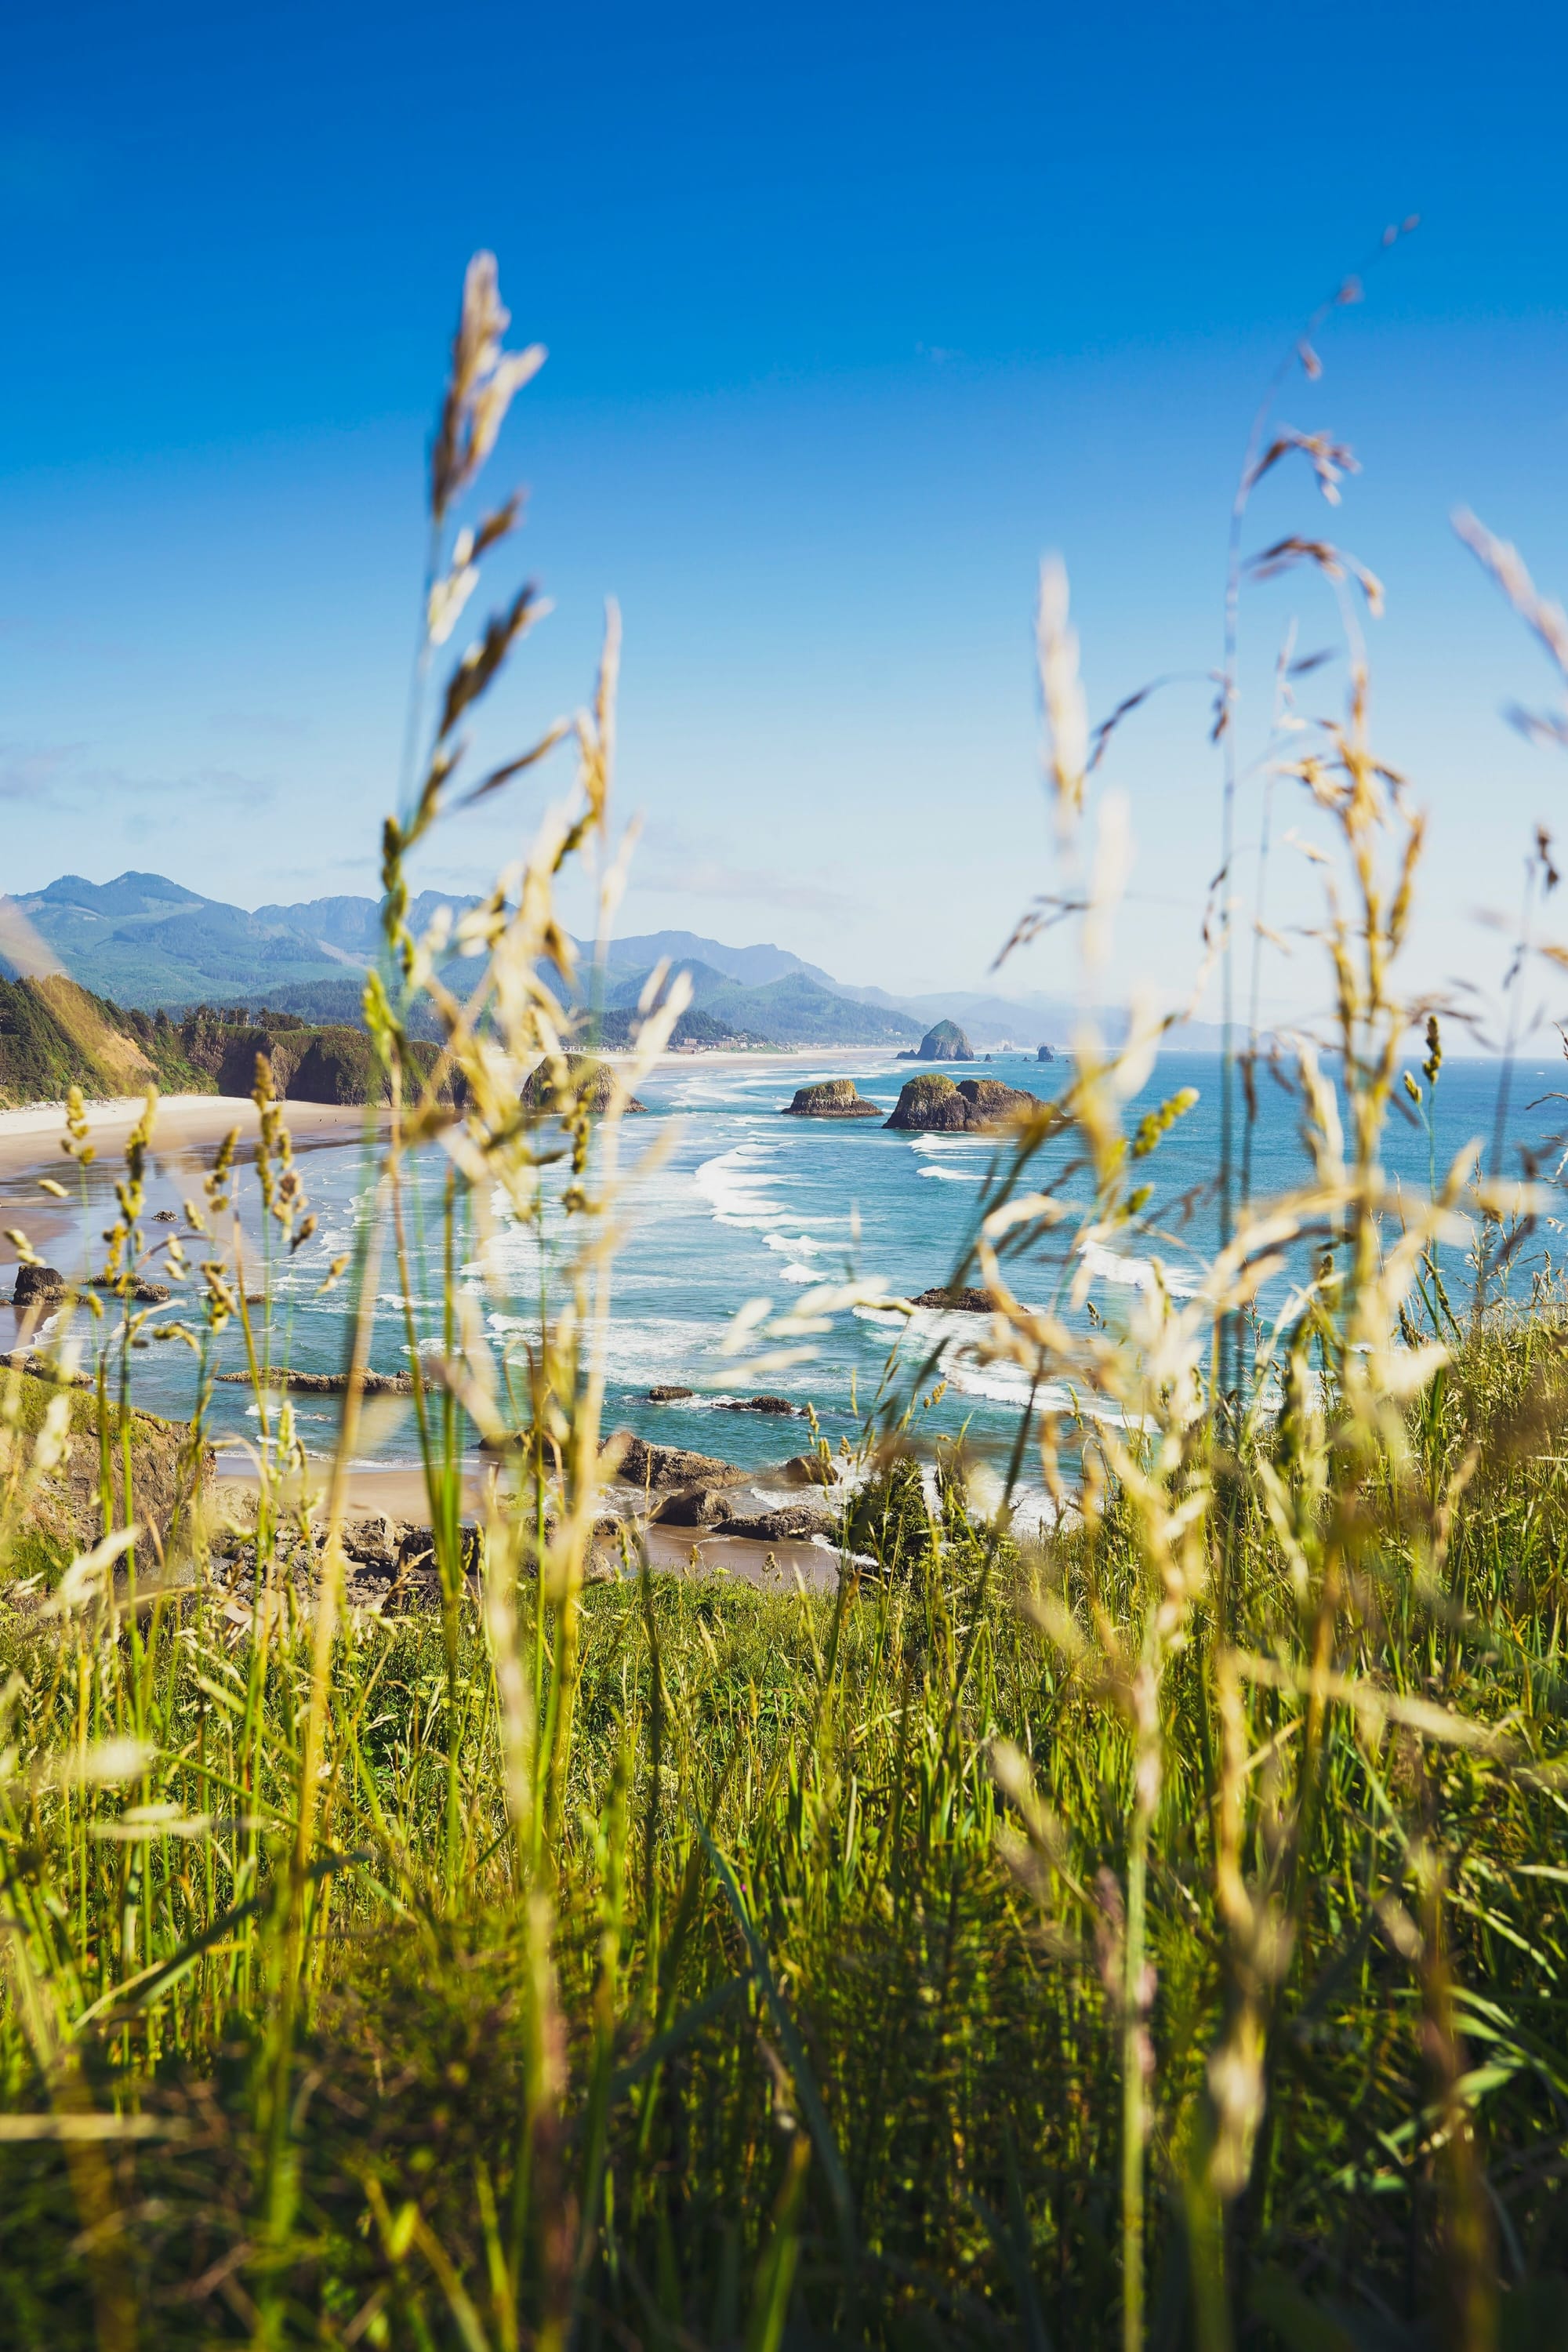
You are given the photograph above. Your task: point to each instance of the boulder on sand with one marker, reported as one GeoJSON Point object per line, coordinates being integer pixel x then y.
{"type": "Point", "coordinates": [933, 1105]}
{"type": "Point", "coordinates": [832, 1098]}
{"type": "Point", "coordinates": [642, 1465]}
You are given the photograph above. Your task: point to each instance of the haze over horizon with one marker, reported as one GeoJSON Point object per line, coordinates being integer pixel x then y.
{"type": "Point", "coordinates": [850, 319]}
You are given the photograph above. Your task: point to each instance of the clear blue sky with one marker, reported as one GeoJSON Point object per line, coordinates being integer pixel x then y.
{"type": "Point", "coordinates": [852, 312]}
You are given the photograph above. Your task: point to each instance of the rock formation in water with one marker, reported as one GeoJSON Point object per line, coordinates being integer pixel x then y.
{"type": "Point", "coordinates": [945, 1042]}
{"type": "Point", "coordinates": [36, 1286]}
{"type": "Point", "coordinates": [935, 1106]}
{"type": "Point", "coordinates": [832, 1098]}
{"type": "Point", "coordinates": [967, 1301]}
{"type": "Point", "coordinates": [589, 1080]}
{"type": "Point", "coordinates": [1046, 1054]}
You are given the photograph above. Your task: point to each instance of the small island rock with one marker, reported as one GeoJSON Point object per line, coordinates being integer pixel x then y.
{"type": "Point", "coordinates": [832, 1098]}
{"type": "Point", "coordinates": [945, 1042]}
{"type": "Point", "coordinates": [34, 1283]}
{"type": "Point", "coordinates": [935, 1106]}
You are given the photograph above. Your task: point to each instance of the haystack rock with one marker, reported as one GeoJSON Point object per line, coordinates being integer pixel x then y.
{"type": "Point", "coordinates": [935, 1106]}
{"type": "Point", "coordinates": [945, 1042]}
{"type": "Point", "coordinates": [590, 1079]}
{"type": "Point", "coordinates": [1046, 1054]}
{"type": "Point", "coordinates": [833, 1098]}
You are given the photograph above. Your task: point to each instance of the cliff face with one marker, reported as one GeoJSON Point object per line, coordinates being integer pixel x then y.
{"type": "Point", "coordinates": [933, 1105]}
{"type": "Point", "coordinates": [65, 1514]}
{"type": "Point", "coordinates": [333, 1064]}
{"type": "Point", "coordinates": [55, 1035]}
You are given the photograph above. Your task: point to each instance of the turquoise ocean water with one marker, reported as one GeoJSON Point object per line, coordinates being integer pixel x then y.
{"type": "Point", "coordinates": [743, 1204]}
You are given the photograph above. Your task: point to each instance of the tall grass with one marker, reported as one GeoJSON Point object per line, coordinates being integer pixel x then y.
{"type": "Point", "coordinates": [1154, 1935]}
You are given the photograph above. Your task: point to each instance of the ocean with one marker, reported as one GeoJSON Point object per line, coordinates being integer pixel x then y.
{"type": "Point", "coordinates": [737, 1203]}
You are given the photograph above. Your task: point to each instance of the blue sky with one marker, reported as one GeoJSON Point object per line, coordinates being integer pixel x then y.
{"type": "Point", "coordinates": [852, 313]}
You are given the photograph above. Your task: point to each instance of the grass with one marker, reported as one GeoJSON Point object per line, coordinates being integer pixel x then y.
{"type": "Point", "coordinates": [1150, 1936]}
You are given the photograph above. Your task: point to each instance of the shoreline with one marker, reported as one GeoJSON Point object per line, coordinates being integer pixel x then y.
{"type": "Point", "coordinates": [30, 1134]}
{"type": "Point", "coordinates": [398, 1492]}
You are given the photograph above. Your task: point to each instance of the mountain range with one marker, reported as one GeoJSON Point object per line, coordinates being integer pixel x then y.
{"type": "Point", "coordinates": [146, 941]}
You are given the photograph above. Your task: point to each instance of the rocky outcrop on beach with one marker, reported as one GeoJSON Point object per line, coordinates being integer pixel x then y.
{"type": "Point", "coordinates": [391, 1563]}
{"type": "Point", "coordinates": [646, 1465]}
{"type": "Point", "coordinates": [589, 1082]}
{"type": "Point", "coordinates": [934, 1104]}
{"type": "Point", "coordinates": [832, 1098]}
{"type": "Point", "coordinates": [702, 1492]}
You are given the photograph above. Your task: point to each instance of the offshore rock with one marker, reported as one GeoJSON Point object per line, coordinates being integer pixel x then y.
{"type": "Point", "coordinates": [34, 1283]}
{"type": "Point", "coordinates": [832, 1098]}
{"type": "Point", "coordinates": [1046, 1054]}
{"type": "Point", "coordinates": [960, 1301]}
{"type": "Point", "coordinates": [758, 1404]}
{"type": "Point", "coordinates": [945, 1042]}
{"type": "Point", "coordinates": [935, 1106]}
{"type": "Point", "coordinates": [667, 1395]}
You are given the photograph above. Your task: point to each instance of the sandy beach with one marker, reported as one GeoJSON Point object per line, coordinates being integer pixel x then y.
{"type": "Point", "coordinates": [30, 1137]}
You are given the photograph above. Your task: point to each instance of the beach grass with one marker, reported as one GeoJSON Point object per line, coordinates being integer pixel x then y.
{"type": "Point", "coordinates": [1151, 1934]}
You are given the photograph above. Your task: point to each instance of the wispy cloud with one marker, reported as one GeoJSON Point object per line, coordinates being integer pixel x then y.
{"type": "Point", "coordinates": [61, 775]}
{"type": "Point", "coordinates": [263, 726]}
{"type": "Point", "coordinates": [34, 772]}
{"type": "Point", "coordinates": [675, 867]}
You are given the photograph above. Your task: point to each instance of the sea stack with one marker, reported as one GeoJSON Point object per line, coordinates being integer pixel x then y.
{"type": "Point", "coordinates": [945, 1042]}
{"type": "Point", "coordinates": [933, 1105]}
{"type": "Point", "coordinates": [1046, 1054]}
{"type": "Point", "coordinates": [589, 1080]}
{"type": "Point", "coordinates": [832, 1098]}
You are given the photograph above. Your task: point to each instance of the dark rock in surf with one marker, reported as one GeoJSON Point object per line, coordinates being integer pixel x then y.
{"type": "Point", "coordinates": [664, 1466]}
{"type": "Point", "coordinates": [37, 1285]}
{"type": "Point", "coordinates": [935, 1106]}
{"type": "Point", "coordinates": [832, 1098]}
{"type": "Point", "coordinates": [668, 1395]}
{"type": "Point", "coordinates": [960, 1302]}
